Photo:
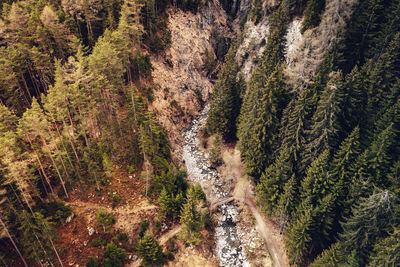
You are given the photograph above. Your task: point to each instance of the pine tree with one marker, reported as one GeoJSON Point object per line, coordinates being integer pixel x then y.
{"type": "Point", "coordinates": [151, 252]}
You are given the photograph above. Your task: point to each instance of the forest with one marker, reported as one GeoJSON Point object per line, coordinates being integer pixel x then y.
{"type": "Point", "coordinates": [318, 133]}
{"type": "Point", "coordinates": [75, 85]}
{"type": "Point", "coordinates": [323, 149]}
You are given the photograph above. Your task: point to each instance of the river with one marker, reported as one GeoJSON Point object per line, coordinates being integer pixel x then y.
{"type": "Point", "coordinates": [229, 247]}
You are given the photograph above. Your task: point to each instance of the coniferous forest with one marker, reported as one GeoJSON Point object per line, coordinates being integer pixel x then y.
{"type": "Point", "coordinates": [318, 131]}
{"type": "Point", "coordinates": [324, 152]}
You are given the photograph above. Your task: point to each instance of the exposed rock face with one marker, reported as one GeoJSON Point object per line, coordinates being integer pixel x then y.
{"type": "Point", "coordinates": [181, 74]}
{"type": "Point", "coordinates": [252, 47]}
{"type": "Point", "coordinates": [294, 39]}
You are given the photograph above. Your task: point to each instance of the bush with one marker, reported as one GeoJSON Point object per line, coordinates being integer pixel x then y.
{"type": "Point", "coordinates": [116, 198]}
{"type": "Point", "coordinates": [92, 262]}
{"type": "Point", "coordinates": [105, 220]}
{"type": "Point", "coordinates": [120, 238]}
{"type": "Point", "coordinates": [150, 251]}
{"type": "Point", "coordinates": [157, 226]}
{"type": "Point", "coordinates": [114, 256]}
{"type": "Point", "coordinates": [98, 242]}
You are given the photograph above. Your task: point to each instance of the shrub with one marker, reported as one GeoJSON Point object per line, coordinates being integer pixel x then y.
{"type": "Point", "coordinates": [98, 242]}
{"type": "Point", "coordinates": [114, 256]}
{"type": "Point", "coordinates": [157, 226]}
{"type": "Point", "coordinates": [105, 220]}
{"type": "Point", "coordinates": [116, 198]}
{"type": "Point", "coordinates": [92, 262]}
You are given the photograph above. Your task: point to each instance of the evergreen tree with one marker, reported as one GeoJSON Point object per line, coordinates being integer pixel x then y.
{"type": "Point", "coordinates": [150, 251]}
{"type": "Point", "coordinates": [165, 203]}
{"type": "Point", "coordinates": [226, 99]}
{"type": "Point", "coordinates": [387, 251]}
{"type": "Point", "coordinates": [265, 99]}
{"type": "Point", "coordinates": [190, 218]}
{"type": "Point", "coordinates": [299, 234]}
{"type": "Point", "coordinates": [325, 131]}
{"type": "Point", "coordinates": [258, 128]}
{"type": "Point", "coordinates": [370, 220]}
{"type": "Point", "coordinates": [113, 256]}
{"type": "Point", "coordinates": [342, 170]}
{"type": "Point", "coordinates": [256, 11]}
{"type": "Point", "coordinates": [312, 14]}
{"type": "Point", "coordinates": [330, 257]}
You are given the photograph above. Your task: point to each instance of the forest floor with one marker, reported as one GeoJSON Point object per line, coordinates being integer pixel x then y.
{"type": "Point", "coordinates": [131, 208]}
{"type": "Point", "coordinates": [76, 244]}
{"type": "Point", "coordinates": [243, 193]}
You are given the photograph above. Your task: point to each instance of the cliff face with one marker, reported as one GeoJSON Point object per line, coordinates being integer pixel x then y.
{"type": "Point", "coordinates": [184, 81]}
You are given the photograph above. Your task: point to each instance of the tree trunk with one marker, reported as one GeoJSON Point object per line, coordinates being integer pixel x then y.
{"type": "Point", "coordinates": [12, 241]}
{"type": "Point", "coordinates": [54, 164]}
{"type": "Point", "coordinates": [41, 166]}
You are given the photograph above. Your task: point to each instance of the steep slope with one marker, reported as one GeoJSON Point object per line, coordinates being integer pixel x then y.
{"type": "Point", "coordinates": [184, 81]}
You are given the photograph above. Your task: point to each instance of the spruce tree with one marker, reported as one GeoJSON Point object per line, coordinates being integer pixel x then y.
{"type": "Point", "coordinates": [370, 221]}
{"type": "Point", "coordinates": [259, 124]}
{"type": "Point", "coordinates": [330, 257]}
{"type": "Point", "coordinates": [299, 234]}
{"type": "Point", "coordinates": [325, 131]}
{"type": "Point", "coordinates": [386, 252]}
{"type": "Point", "coordinates": [190, 218]}
{"type": "Point", "coordinates": [265, 99]}
{"type": "Point", "coordinates": [312, 14]}
{"type": "Point", "coordinates": [226, 99]}
{"type": "Point", "coordinates": [150, 251]}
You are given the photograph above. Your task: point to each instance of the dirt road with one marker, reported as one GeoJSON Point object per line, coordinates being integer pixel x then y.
{"type": "Point", "coordinates": [242, 193]}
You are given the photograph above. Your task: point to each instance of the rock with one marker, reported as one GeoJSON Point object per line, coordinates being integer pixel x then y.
{"type": "Point", "coordinates": [91, 230]}
{"type": "Point", "coordinates": [69, 218]}
{"type": "Point", "coordinates": [134, 258]}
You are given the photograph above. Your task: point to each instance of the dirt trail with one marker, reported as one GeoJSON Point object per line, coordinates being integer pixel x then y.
{"type": "Point", "coordinates": [165, 237]}
{"type": "Point", "coordinates": [243, 194]}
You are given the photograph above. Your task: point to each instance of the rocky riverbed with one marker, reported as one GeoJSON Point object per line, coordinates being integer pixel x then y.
{"type": "Point", "coordinates": [229, 247]}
